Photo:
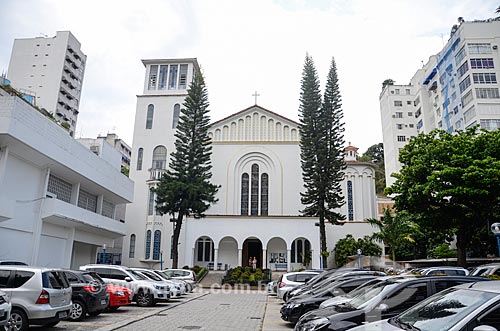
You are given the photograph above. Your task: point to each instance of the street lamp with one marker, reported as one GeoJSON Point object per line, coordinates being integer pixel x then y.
{"type": "Point", "coordinates": [103, 258]}
{"type": "Point", "coordinates": [495, 228]}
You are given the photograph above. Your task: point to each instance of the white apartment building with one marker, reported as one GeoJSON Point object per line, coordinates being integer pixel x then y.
{"type": "Point", "coordinates": [100, 144]}
{"type": "Point", "coordinates": [58, 200]}
{"type": "Point", "coordinates": [456, 89]}
{"type": "Point", "coordinates": [52, 68]}
{"type": "Point", "coordinates": [256, 161]}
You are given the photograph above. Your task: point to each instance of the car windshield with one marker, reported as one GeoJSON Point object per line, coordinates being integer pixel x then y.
{"type": "Point", "coordinates": [151, 275]}
{"type": "Point", "coordinates": [481, 271]}
{"type": "Point", "coordinates": [138, 275]}
{"type": "Point", "coordinates": [370, 296]}
{"type": "Point", "coordinates": [443, 310]}
{"type": "Point", "coordinates": [363, 288]}
{"type": "Point", "coordinates": [162, 275]}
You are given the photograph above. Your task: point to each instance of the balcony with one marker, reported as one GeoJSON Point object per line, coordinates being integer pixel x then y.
{"type": "Point", "coordinates": [65, 214]}
{"type": "Point", "coordinates": [155, 175]}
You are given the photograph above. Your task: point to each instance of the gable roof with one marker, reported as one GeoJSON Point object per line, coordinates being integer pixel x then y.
{"type": "Point", "coordinates": [254, 107]}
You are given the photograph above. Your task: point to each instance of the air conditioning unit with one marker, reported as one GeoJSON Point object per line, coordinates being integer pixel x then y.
{"type": "Point", "coordinates": [495, 47]}
{"type": "Point", "coordinates": [393, 116]}
{"type": "Point", "coordinates": [51, 195]}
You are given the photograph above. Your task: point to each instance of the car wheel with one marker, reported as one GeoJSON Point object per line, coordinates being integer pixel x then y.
{"type": "Point", "coordinates": [18, 321]}
{"type": "Point", "coordinates": [77, 311]}
{"type": "Point", "coordinates": [49, 325]}
{"type": "Point", "coordinates": [285, 296]}
{"type": "Point", "coordinates": [144, 299]}
{"type": "Point", "coordinates": [114, 308]}
{"type": "Point", "coordinates": [95, 313]}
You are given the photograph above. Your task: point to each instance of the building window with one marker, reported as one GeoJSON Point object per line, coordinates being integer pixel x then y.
{"type": "Point", "coordinates": [299, 251]}
{"type": "Point", "coordinates": [153, 74]}
{"type": "Point", "coordinates": [479, 48]}
{"type": "Point", "coordinates": [410, 113]}
{"type": "Point", "coordinates": [163, 77]}
{"type": "Point", "coordinates": [469, 114]}
{"type": "Point", "coordinates": [139, 158]}
{"type": "Point", "coordinates": [467, 98]}
{"type": "Point", "coordinates": [484, 78]}
{"type": "Point", "coordinates": [463, 69]}
{"type": "Point", "coordinates": [172, 79]}
{"type": "Point", "coordinates": [177, 112]}
{"type": "Point", "coordinates": [131, 249]}
{"type": "Point", "coordinates": [244, 194]}
{"type": "Point", "coordinates": [264, 194]}
{"type": "Point", "coordinates": [149, 118]}
{"type": "Point", "coordinates": [292, 257]}
{"type": "Point", "coordinates": [60, 188]}
{"type": "Point", "coordinates": [397, 91]}
{"type": "Point", "coordinates": [157, 245]}
{"type": "Point", "coordinates": [205, 250]}
{"type": "Point", "coordinates": [398, 103]}
{"type": "Point", "coordinates": [408, 91]}
{"type": "Point", "coordinates": [482, 63]}
{"type": "Point", "coordinates": [350, 201]}
{"type": "Point", "coordinates": [254, 191]}
{"type": "Point", "coordinates": [183, 76]}
{"type": "Point", "coordinates": [399, 126]}
{"type": "Point", "coordinates": [151, 202]}
{"type": "Point", "coordinates": [491, 124]}
{"type": "Point", "coordinates": [87, 201]}
{"type": "Point", "coordinates": [148, 244]}
{"type": "Point", "coordinates": [487, 93]}
{"type": "Point", "coordinates": [398, 114]}
{"type": "Point", "coordinates": [159, 157]}
{"type": "Point", "coordinates": [464, 84]}
{"type": "Point", "coordinates": [408, 102]}
{"type": "Point", "coordinates": [460, 55]}
{"type": "Point", "coordinates": [108, 209]}
{"type": "Point", "coordinates": [411, 125]}
{"type": "Point", "coordinates": [401, 138]}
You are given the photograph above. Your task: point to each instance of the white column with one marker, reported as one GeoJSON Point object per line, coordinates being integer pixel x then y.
{"type": "Point", "coordinates": [240, 257]}
{"type": "Point", "coordinates": [288, 259]}
{"type": "Point", "coordinates": [216, 258]}
{"type": "Point", "coordinates": [192, 258]}
{"type": "Point", "coordinates": [68, 254]}
{"type": "Point", "coordinates": [37, 226]}
{"type": "Point", "coordinates": [100, 199]}
{"type": "Point", "coordinates": [75, 192]}
{"type": "Point", "coordinates": [314, 262]}
{"type": "Point", "coordinates": [264, 258]}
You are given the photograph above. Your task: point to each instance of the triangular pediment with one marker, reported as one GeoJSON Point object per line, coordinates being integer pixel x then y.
{"type": "Point", "coordinates": [254, 124]}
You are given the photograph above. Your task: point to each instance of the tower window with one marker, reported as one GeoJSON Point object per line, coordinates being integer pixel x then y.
{"type": "Point", "coordinates": [254, 193]}
{"type": "Point", "coordinates": [183, 76]}
{"type": "Point", "coordinates": [139, 158]}
{"type": "Point", "coordinates": [172, 79]}
{"type": "Point", "coordinates": [163, 77]}
{"type": "Point", "coordinates": [149, 117]}
{"type": "Point", "coordinates": [157, 245]}
{"type": "Point", "coordinates": [177, 112]}
{"type": "Point", "coordinates": [350, 201]}
{"type": "Point", "coordinates": [131, 250]}
{"type": "Point", "coordinates": [244, 194]}
{"type": "Point", "coordinates": [148, 244]}
{"type": "Point", "coordinates": [153, 75]}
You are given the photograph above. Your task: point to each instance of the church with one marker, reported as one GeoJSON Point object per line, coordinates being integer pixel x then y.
{"type": "Point", "coordinates": [256, 162]}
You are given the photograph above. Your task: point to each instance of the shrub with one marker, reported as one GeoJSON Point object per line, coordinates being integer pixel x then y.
{"type": "Point", "coordinates": [186, 267]}
{"type": "Point", "coordinates": [251, 278]}
{"type": "Point", "coordinates": [248, 269]}
{"type": "Point", "coordinates": [258, 274]}
{"type": "Point", "coordinates": [196, 269]}
{"type": "Point", "coordinates": [245, 276]}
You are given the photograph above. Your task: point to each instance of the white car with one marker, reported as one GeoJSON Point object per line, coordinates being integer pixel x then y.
{"type": "Point", "coordinates": [5, 308]}
{"type": "Point", "coordinates": [175, 289]}
{"type": "Point", "coordinates": [182, 274]}
{"type": "Point", "coordinates": [291, 279]}
{"type": "Point", "coordinates": [145, 292]}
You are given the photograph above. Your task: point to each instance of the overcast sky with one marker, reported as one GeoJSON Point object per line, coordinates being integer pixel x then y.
{"type": "Point", "coordinates": [242, 47]}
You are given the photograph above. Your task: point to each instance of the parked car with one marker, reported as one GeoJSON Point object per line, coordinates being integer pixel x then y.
{"type": "Point", "coordinates": [381, 301]}
{"type": "Point", "coordinates": [5, 308]}
{"type": "Point", "coordinates": [144, 292]}
{"type": "Point", "coordinates": [118, 296]}
{"type": "Point", "coordinates": [182, 284]}
{"type": "Point", "coordinates": [183, 274]}
{"type": "Point", "coordinates": [486, 270]}
{"type": "Point", "coordinates": [39, 296]}
{"type": "Point", "coordinates": [272, 287]}
{"type": "Point", "coordinates": [175, 290]}
{"type": "Point", "coordinates": [89, 294]}
{"type": "Point", "coordinates": [474, 307]}
{"type": "Point", "coordinates": [444, 270]}
{"type": "Point", "coordinates": [293, 309]}
{"type": "Point", "coordinates": [292, 279]}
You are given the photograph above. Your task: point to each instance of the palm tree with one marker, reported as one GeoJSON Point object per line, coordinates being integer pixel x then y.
{"type": "Point", "coordinates": [394, 230]}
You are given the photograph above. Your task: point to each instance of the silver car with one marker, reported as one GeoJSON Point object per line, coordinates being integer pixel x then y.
{"type": "Point", "coordinates": [292, 279]}
{"type": "Point", "coordinates": [175, 290]}
{"type": "Point", "coordinates": [474, 307]}
{"type": "Point", "coordinates": [5, 308]}
{"type": "Point", "coordinates": [39, 296]}
{"type": "Point", "coordinates": [182, 274]}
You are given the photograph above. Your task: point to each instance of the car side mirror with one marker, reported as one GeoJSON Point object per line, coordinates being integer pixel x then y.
{"type": "Point", "coordinates": [128, 279]}
{"type": "Point", "coordinates": [484, 328]}
{"type": "Point", "coordinates": [383, 307]}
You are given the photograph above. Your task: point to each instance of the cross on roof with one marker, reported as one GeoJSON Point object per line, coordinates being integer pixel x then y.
{"type": "Point", "coordinates": [256, 95]}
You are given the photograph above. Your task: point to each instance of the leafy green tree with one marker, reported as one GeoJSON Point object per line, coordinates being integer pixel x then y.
{"type": "Point", "coordinates": [321, 149]}
{"type": "Point", "coordinates": [394, 231]}
{"type": "Point", "coordinates": [387, 82]}
{"type": "Point", "coordinates": [186, 190]}
{"type": "Point", "coordinates": [375, 154]}
{"type": "Point", "coordinates": [349, 246]}
{"type": "Point", "coordinates": [451, 182]}
{"type": "Point", "coordinates": [124, 171]}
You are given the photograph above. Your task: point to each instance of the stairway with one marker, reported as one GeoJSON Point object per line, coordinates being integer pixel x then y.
{"type": "Point", "coordinates": [213, 279]}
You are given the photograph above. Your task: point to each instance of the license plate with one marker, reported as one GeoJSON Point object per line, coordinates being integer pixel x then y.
{"type": "Point", "coordinates": [103, 302]}
{"type": "Point", "coordinates": [62, 314]}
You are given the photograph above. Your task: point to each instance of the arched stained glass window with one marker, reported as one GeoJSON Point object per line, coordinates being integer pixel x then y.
{"type": "Point", "coordinates": [300, 252]}
{"type": "Point", "coordinates": [350, 202]}
{"type": "Point", "coordinates": [264, 194]}
{"type": "Point", "coordinates": [244, 194]}
{"type": "Point", "coordinates": [293, 252]}
{"type": "Point", "coordinates": [177, 112]}
{"type": "Point", "coordinates": [151, 202]}
{"type": "Point", "coordinates": [254, 191]}
{"type": "Point", "coordinates": [159, 157]}
{"type": "Point", "coordinates": [149, 117]}
{"type": "Point", "coordinates": [140, 153]}
{"type": "Point", "coordinates": [148, 244]}
{"type": "Point", "coordinates": [157, 245]}
{"type": "Point", "coordinates": [131, 250]}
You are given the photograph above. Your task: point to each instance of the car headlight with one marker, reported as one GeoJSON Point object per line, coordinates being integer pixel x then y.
{"type": "Point", "coordinates": [314, 324]}
{"type": "Point", "coordinates": [294, 305]}
{"type": "Point", "coordinates": [119, 293]}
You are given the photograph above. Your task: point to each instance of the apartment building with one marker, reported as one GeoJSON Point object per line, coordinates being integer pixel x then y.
{"type": "Point", "coordinates": [52, 68]}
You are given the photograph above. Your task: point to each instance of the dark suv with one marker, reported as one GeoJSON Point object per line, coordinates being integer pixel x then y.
{"type": "Point", "coordinates": [89, 294]}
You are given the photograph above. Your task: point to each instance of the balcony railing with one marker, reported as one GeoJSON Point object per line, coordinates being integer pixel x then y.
{"type": "Point", "coordinates": [156, 174]}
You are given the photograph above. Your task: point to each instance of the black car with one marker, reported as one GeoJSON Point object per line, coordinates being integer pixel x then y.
{"type": "Point", "coordinates": [89, 294]}
{"type": "Point", "coordinates": [381, 301]}
{"type": "Point", "coordinates": [328, 277]}
{"type": "Point", "coordinates": [293, 309]}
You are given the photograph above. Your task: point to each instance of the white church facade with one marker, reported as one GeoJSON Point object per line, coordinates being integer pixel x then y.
{"type": "Point", "coordinates": [256, 162]}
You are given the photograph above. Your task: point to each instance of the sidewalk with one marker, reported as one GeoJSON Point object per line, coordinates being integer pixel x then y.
{"type": "Point", "coordinates": [272, 316]}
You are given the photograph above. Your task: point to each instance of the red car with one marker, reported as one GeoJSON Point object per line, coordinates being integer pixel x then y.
{"type": "Point", "coordinates": [118, 296]}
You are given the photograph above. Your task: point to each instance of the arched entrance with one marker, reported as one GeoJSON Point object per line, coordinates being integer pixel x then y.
{"type": "Point", "coordinates": [276, 254]}
{"type": "Point", "coordinates": [204, 251]}
{"type": "Point", "coordinates": [227, 253]}
{"type": "Point", "coordinates": [301, 253]}
{"type": "Point", "coordinates": [252, 247]}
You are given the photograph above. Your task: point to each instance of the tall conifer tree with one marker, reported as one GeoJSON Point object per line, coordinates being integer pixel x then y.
{"type": "Point", "coordinates": [186, 190]}
{"type": "Point", "coordinates": [321, 149]}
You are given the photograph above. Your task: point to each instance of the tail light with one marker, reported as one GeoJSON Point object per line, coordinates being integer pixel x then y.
{"type": "Point", "coordinates": [281, 284]}
{"type": "Point", "coordinates": [90, 288]}
{"type": "Point", "coordinates": [43, 299]}
{"type": "Point", "coordinates": [194, 277]}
